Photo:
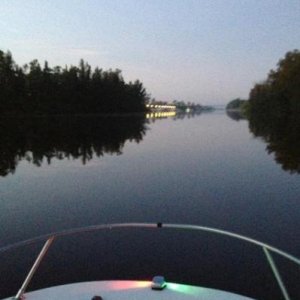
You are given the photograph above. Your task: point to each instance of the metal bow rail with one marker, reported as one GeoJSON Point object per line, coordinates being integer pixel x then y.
{"type": "Point", "coordinates": [267, 249]}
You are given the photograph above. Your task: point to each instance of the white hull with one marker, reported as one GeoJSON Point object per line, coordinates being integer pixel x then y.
{"type": "Point", "coordinates": [129, 290]}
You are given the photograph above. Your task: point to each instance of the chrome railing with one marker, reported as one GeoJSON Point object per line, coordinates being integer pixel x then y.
{"type": "Point", "coordinates": [267, 249]}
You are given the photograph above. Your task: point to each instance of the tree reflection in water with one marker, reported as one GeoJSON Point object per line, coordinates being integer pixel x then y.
{"type": "Point", "coordinates": [282, 137]}
{"type": "Point", "coordinates": [40, 139]}
{"type": "Point", "coordinates": [235, 115]}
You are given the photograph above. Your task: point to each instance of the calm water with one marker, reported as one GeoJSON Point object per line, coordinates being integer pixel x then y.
{"type": "Point", "coordinates": [206, 170]}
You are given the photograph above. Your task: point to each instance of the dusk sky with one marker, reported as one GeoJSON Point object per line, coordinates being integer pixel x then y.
{"type": "Point", "coordinates": [204, 51]}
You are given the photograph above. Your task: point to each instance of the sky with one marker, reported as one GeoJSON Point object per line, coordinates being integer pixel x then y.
{"type": "Point", "coordinates": [203, 51]}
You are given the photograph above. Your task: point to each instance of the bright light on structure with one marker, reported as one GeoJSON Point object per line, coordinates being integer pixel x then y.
{"type": "Point", "coordinates": [161, 107]}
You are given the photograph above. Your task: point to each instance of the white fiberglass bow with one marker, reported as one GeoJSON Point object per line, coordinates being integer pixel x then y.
{"type": "Point", "coordinates": [139, 290]}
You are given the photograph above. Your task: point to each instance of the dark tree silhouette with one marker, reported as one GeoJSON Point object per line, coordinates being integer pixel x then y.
{"type": "Point", "coordinates": [274, 110]}
{"type": "Point", "coordinates": [36, 89]}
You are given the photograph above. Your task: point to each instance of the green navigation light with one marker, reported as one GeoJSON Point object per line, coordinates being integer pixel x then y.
{"type": "Point", "coordinates": [184, 289]}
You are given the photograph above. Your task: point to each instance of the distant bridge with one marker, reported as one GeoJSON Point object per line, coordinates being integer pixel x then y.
{"type": "Point", "coordinates": [160, 107]}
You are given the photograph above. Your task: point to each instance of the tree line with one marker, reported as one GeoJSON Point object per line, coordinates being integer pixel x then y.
{"type": "Point", "coordinates": [273, 111]}
{"type": "Point", "coordinates": [278, 97]}
{"type": "Point", "coordinates": [36, 89]}
{"type": "Point", "coordinates": [237, 104]}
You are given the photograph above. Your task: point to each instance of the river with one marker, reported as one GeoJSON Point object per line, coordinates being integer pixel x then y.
{"type": "Point", "coordinates": [206, 169]}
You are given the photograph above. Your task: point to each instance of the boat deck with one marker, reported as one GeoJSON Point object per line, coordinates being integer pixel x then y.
{"type": "Point", "coordinates": [129, 290]}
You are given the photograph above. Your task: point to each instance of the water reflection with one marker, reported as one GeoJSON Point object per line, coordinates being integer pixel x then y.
{"type": "Point", "coordinates": [235, 115]}
{"type": "Point", "coordinates": [42, 139]}
{"type": "Point", "coordinates": [191, 114]}
{"type": "Point", "coordinates": [159, 115]}
{"type": "Point", "coordinates": [175, 115]}
{"type": "Point", "coordinates": [39, 139]}
{"type": "Point", "coordinates": [282, 137]}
